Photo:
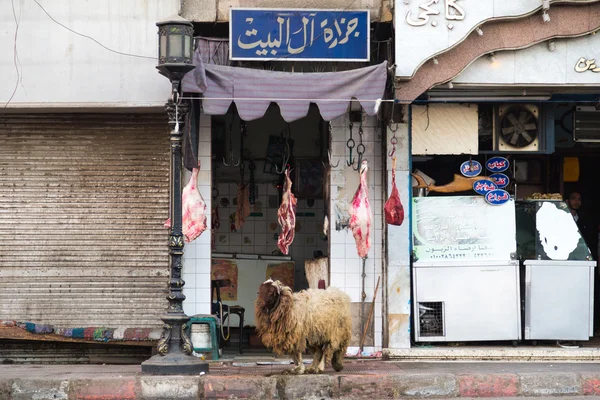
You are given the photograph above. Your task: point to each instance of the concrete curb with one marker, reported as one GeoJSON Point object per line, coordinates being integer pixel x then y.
{"type": "Point", "coordinates": [503, 354]}
{"type": "Point", "coordinates": [283, 387]}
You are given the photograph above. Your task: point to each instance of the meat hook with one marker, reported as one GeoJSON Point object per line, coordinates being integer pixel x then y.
{"type": "Point", "coordinates": [286, 158]}
{"type": "Point", "coordinates": [329, 158]}
{"type": "Point", "coordinates": [231, 160]}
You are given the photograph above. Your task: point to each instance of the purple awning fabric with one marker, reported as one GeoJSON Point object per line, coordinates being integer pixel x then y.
{"type": "Point", "coordinates": [253, 89]}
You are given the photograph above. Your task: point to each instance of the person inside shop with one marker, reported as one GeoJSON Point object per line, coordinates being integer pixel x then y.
{"type": "Point", "coordinates": [586, 226]}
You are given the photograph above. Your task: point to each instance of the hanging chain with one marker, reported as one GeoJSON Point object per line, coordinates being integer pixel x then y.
{"type": "Point", "coordinates": [360, 149]}
{"type": "Point", "coordinates": [251, 184]}
{"type": "Point", "coordinates": [393, 142]}
{"type": "Point", "coordinates": [242, 163]}
{"type": "Point", "coordinates": [350, 144]}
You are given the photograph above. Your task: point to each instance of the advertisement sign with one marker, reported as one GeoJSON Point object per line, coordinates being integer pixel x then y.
{"type": "Point", "coordinates": [462, 228]}
{"type": "Point", "coordinates": [299, 34]}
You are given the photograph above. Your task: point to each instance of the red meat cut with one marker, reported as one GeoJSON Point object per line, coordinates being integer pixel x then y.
{"type": "Point", "coordinates": [394, 211]}
{"type": "Point", "coordinates": [287, 215]}
{"type": "Point", "coordinates": [360, 214]}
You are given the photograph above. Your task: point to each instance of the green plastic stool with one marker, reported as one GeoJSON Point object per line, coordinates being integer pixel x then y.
{"type": "Point", "coordinates": [211, 320]}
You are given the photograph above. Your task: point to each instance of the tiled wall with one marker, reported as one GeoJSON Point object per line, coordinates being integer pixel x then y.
{"type": "Point", "coordinates": [346, 266]}
{"type": "Point", "coordinates": [259, 233]}
{"type": "Point", "coordinates": [196, 255]}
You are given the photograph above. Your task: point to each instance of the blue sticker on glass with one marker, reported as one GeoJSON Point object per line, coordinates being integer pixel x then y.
{"type": "Point", "coordinates": [497, 197]}
{"type": "Point", "coordinates": [497, 164]}
{"type": "Point", "coordinates": [500, 180]}
{"type": "Point", "coordinates": [484, 186]}
{"type": "Point", "coordinates": [470, 168]}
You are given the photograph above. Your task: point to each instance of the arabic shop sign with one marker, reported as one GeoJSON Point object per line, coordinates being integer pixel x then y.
{"type": "Point", "coordinates": [584, 64]}
{"type": "Point", "coordinates": [298, 34]}
{"type": "Point", "coordinates": [453, 12]}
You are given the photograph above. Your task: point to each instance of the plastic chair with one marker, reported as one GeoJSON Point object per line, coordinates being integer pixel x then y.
{"type": "Point", "coordinates": [216, 285]}
{"type": "Point", "coordinates": [211, 321]}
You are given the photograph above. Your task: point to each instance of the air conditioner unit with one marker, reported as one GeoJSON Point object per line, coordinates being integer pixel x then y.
{"type": "Point", "coordinates": [517, 128]}
{"type": "Point", "coordinates": [586, 124]}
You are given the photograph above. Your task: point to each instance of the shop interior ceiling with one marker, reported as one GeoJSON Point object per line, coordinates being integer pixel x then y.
{"type": "Point", "coordinates": [307, 137]}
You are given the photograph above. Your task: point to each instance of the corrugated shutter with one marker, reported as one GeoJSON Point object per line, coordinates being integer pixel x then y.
{"type": "Point", "coordinates": [83, 199]}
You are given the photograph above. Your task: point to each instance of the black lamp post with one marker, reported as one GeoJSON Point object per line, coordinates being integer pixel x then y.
{"type": "Point", "coordinates": [175, 47]}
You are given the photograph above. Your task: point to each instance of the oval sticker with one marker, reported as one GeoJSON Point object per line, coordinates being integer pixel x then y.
{"type": "Point", "coordinates": [470, 168]}
{"type": "Point", "coordinates": [484, 186]}
{"type": "Point", "coordinates": [500, 180]}
{"type": "Point", "coordinates": [497, 164]}
{"type": "Point", "coordinates": [497, 197]}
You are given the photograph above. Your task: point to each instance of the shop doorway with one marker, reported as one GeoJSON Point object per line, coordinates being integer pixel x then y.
{"type": "Point", "coordinates": [248, 164]}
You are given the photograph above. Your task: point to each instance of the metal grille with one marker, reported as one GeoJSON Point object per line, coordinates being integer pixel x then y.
{"type": "Point", "coordinates": [83, 199]}
{"type": "Point", "coordinates": [431, 319]}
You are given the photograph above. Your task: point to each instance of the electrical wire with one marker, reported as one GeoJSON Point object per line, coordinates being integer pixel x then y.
{"type": "Point", "coordinates": [91, 38]}
{"type": "Point", "coordinates": [16, 59]}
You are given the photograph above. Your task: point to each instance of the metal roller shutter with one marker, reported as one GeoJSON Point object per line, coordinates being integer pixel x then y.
{"type": "Point", "coordinates": [83, 199]}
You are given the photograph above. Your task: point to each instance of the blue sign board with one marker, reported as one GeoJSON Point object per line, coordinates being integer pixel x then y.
{"type": "Point", "coordinates": [484, 186]}
{"type": "Point", "coordinates": [497, 197]}
{"type": "Point", "coordinates": [497, 164]}
{"type": "Point", "coordinates": [261, 34]}
{"type": "Point", "coordinates": [470, 168]}
{"type": "Point", "coordinates": [500, 180]}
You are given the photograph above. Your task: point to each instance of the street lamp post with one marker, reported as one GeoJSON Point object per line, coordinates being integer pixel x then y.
{"type": "Point", "coordinates": [174, 347]}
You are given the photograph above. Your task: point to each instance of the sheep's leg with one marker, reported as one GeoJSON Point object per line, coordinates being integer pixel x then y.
{"type": "Point", "coordinates": [337, 362]}
{"type": "Point", "coordinates": [324, 356]}
{"type": "Point", "coordinates": [299, 368]}
{"type": "Point", "coordinates": [317, 357]}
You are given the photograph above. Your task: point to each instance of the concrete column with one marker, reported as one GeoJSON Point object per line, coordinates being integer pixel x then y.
{"type": "Point", "coordinates": [398, 244]}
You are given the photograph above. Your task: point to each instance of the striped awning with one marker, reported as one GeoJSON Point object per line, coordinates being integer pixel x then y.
{"type": "Point", "coordinates": [254, 90]}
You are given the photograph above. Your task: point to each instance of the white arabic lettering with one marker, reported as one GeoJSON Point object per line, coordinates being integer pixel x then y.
{"type": "Point", "coordinates": [584, 64]}
{"type": "Point", "coordinates": [337, 33]}
{"type": "Point", "coordinates": [424, 16]}
{"type": "Point", "coordinates": [453, 12]}
{"type": "Point", "coordinates": [458, 14]}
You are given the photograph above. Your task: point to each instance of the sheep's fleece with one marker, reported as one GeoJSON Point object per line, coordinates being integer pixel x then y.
{"type": "Point", "coordinates": [290, 322]}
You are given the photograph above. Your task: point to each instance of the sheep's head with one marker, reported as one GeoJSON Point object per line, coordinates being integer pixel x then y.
{"type": "Point", "coordinates": [268, 295]}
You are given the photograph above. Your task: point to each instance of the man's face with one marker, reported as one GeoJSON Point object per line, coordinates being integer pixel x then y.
{"type": "Point", "coordinates": [574, 201]}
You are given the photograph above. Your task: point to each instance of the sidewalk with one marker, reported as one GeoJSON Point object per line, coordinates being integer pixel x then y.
{"type": "Point", "coordinates": [369, 379]}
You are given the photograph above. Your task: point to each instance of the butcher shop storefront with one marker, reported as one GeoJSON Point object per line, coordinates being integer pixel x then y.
{"type": "Point", "coordinates": [281, 157]}
{"type": "Point", "coordinates": [502, 251]}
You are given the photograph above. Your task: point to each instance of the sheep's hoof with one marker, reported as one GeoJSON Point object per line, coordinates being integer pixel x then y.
{"type": "Point", "coordinates": [294, 371]}
{"type": "Point", "coordinates": [313, 370]}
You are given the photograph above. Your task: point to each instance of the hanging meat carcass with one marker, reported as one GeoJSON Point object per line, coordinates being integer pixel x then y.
{"type": "Point", "coordinates": [360, 214]}
{"type": "Point", "coordinates": [394, 211]}
{"type": "Point", "coordinates": [243, 206]}
{"type": "Point", "coordinates": [193, 210]}
{"type": "Point", "coordinates": [287, 215]}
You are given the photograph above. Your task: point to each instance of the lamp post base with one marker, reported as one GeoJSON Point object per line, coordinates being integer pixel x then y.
{"type": "Point", "coordinates": [174, 364]}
